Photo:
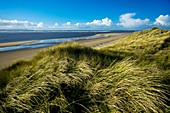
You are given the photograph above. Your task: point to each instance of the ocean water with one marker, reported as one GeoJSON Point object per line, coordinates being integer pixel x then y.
{"type": "Point", "coordinates": [45, 38]}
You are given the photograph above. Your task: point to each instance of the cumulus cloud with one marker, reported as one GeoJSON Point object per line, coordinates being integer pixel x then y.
{"type": "Point", "coordinates": [19, 24]}
{"type": "Point", "coordinates": [15, 23]}
{"type": "Point", "coordinates": [56, 24]}
{"type": "Point", "coordinates": [77, 24]}
{"type": "Point", "coordinates": [163, 20]}
{"type": "Point", "coordinates": [95, 24]}
{"type": "Point", "coordinates": [40, 25]}
{"type": "Point", "coordinates": [127, 21]}
{"type": "Point", "coordinates": [68, 24]}
{"type": "Point", "coordinates": [103, 22]}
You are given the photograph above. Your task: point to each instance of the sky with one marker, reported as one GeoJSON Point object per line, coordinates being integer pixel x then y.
{"type": "Point", "coordinates": [84, 14]}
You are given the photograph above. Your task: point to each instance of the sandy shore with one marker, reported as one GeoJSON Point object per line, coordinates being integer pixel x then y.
{"type": "Point", "coordinates": [109, 39]}
{"type": "Point", "coordinates": [9, 57]}
{"type": "Point", "coordinates": [15, 43]}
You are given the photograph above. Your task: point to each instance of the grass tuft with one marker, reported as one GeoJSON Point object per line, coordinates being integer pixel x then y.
{"type": "Point", "coordinates": [130, 76]}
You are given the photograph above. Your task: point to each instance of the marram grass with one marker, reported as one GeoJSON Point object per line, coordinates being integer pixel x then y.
{"type": "Point", "coordinates": [132, 76]}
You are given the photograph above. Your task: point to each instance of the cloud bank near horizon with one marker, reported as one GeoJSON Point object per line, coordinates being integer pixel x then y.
{"type": "Point", "coordinates": [126, 21]}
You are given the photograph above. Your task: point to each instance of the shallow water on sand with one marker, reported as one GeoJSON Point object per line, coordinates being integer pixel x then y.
{"type": "Point", "coordinates": [45, 43]}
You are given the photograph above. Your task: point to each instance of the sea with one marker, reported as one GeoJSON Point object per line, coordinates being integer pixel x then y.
{"type": "Point", "coordinates": [45, 38]}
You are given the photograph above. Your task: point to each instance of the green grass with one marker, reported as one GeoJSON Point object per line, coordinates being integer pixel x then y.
{"type": "Point", "coordinates": [133, 75]}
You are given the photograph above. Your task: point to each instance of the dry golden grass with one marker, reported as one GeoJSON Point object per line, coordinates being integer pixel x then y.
{"type": "Point", "coordinates": [130, 76]}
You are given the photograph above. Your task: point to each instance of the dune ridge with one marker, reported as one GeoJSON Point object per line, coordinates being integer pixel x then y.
{"type": "Point", "coordinates": [132, 75]}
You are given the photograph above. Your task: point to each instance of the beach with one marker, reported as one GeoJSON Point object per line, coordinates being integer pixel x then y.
{"type": "Point", "coordinates": [7, 58]}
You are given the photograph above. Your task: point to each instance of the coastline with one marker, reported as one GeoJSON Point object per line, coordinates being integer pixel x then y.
{"type": "Point", "coordinates": [33, 44]}
{"type": "Point", "coordinates": [107, 40]}
{"type": "Point", "coordinates": [6, 44]}
{"type": "Point", "coordinates": [7, 58]}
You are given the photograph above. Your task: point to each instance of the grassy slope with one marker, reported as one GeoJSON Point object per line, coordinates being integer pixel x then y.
{"type": "Point", "coordinates": [130, 76]}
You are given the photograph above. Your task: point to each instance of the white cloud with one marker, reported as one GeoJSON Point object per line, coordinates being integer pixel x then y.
{"type": "Point", "coordinates": [56, 24]}
{"type": "Point", "coordinates": [127, 21]}
{"type": "Point", "coordinates": [163, 20]}
{"type": "Point", "coordinates": [40, 25]}
{"type": "Point", "coordinates": [19, 24]}
{"type": "Point", "coordinates": [77, 24]}
{"type": "Point", "coordinates": [68, 23]}
{"type": "Point", "coordinates": [103, 22]}
{"type": "Point", "coordinates": [16, 23]}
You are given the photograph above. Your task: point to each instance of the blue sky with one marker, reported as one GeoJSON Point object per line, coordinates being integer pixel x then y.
{"type": "Point", "coordinates": [84, 14]}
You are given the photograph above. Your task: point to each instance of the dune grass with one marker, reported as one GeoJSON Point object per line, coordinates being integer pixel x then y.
{"type": "Point", "coordinates": [130, 76]}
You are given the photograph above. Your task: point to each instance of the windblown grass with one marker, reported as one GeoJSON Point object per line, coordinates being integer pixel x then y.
{"type": "Point", "coordinates": [130, 76]}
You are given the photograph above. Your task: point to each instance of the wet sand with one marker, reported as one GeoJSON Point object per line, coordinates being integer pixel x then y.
{"type": "Point", "coordinates": [15, 43]}
{"type": "Point", "coordinates": [9, 57]}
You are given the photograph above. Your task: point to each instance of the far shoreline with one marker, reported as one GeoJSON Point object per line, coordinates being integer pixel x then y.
{"type": "Point", "coordinates": [7, 58]}
{"type": "Point", "coordinates": [7, 44]}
